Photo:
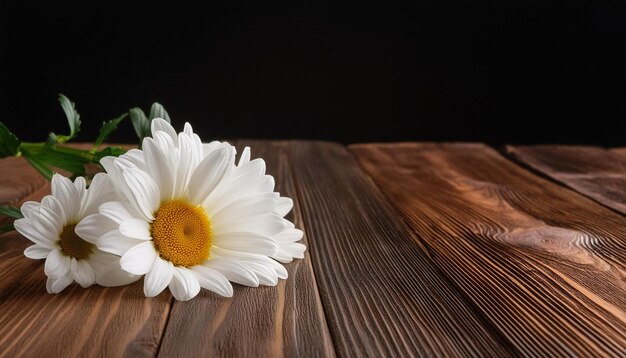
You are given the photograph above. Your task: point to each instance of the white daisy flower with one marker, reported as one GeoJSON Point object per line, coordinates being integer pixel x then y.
{"type": "Point", "coordinates": [53, 226]}
{"type": "Point", "coordinates": [193, 219]}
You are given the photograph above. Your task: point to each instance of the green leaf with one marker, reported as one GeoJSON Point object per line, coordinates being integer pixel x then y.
{"type": "Point", "coordinates": [71, 165]}
{"type": "Point", "coordinates": [9, 144]}
{"type": "Point", "coordinates": [158, 111]}
{"type": "Point", "coordinates": [6, 228]}
{"type": "Point", "coordinates": [11, 211]}
{"type": "Point", "coordinates": [73, 151]}
{"type": "Point", "coordinates": [39, 166]}
{"type": "Point", "coordinates": [72, 162]}
{"type": "Point", "coordinates": [107, 128]}
{"type": "Point", "coordinates": [73, 118]}
{"type": "Point", "coordinates": [140, 122]}
{"type": "Point", "coordinates": [106, 152]}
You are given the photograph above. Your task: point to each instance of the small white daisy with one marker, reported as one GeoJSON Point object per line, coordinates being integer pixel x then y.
{"type": "Point", "coordinates": [53, 225]}
{"type": "Point", "coordinates": [193, 219]}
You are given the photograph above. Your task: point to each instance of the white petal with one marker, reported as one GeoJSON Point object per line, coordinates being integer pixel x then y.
{"type": "Point", "coordinates": [247, 242]}
{"type": "Point", "coordinates": [99, 260]}
{"type": "Point", "coordinates": [197, 145]}
{"type": "Point", "coordinates": [209, 173]}
{"type": "Point", "coordinates": [92, 227]}
{"type": "Point", "coordinates": [30, 207]}
{"type": "Point", "coordinates": [187, 128]}
{"type": "Point", "coordinates": [139, 259]}
{"type": "Point", "coordinates": [280, 270]}
{"type": "Point", "coordinates": [136, 157]}
{"type": "Point", "coordinates": [234, 271]}
{"type": "Point", "coordinates": [254, 168]}
{"type": "Point", "coordinates": [209, 147]}
{"type": "Point", "coordinates": [168, 144]}
{"type": "Point", "coordinates": [188, 158]}
{"type": "Point", "coordinates": [65, 191]}
{"type": "Point", "coordinates": [115, 243]}
{"type": "Point", "coordinates": [117, 211]}
{"type": "Point", "coordinates": [294, 249]}
{"type": "Point", "coordinates": [57, 264]}
{"type": "Point", "coordinates": [184, 285]}
{"type": "Point", "coordinates": [288, 224]}
{"type": "Point", "coordinates": [53, 205]}
{"type": "Point", "coordinates": [100, 190]}
{"type": "Point", "coordinates": [108, 163]}
{"type": "Point", "coordinates": [245, 156]}
{"type": "Point", "coordinates": [136, 228]}
{"type": "Point", "coordinates": [265, 224]}
{"type": "Point", "coordinates": [244, 181]}
{"type": "Point", "coordinates": [114, 171]}
{"type": "Point", "coordinates": [266, 184]}
{"type": "Point", "coordinates": [108, 271]}
{"type": "Point", "coordinates": [25, 227]}
{"type": "Point", "coordinates": [36, 252]}
{"type": "Point", "coordinates": [212, 280]}
{"type": "Point", "coordinates": [159, 168]}
{"type": "Point", "coordinates": [246, 258]}
{"type": "Point", "coordinates": [58, 284]}
{"type": "Point", "coordinates": [288, 235]}
{"type": "Point", "coordinates": [248, 206]}
{"type": "Point", "coordinates": [80, 184]}
{"type": "Point", "coordinates": [82, 273]}
{"type": "Point", "coordinates": [114, 276]}
{"type": "Point", "coordinates": [158, 278]}
{"type": "Point", "coordinates": [284, 206]}
{"type": "Point", "coordinates": [266, 275]}
{"type": "Point", "coordinates": [282, 256]}
{"type": "Point", "coordinates": [144, 191]}
{"type": "Point", "coordinates": [48, 222]}
{"type": "Point", "coordinates": [159, 124]}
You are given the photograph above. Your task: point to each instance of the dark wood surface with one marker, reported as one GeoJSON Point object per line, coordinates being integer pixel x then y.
{"type": "Point", "coordinates": [413, 250]}
{"type": "Point", "coordinates": [542, 264]}
{"type": "Point", "coordinates": [595, 172]}
{"type": "Point", "coordinates": [381, 294]}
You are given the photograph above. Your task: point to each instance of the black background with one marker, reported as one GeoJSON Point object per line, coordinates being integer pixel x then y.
{"type": "Point", "coordinates": [492, 71]}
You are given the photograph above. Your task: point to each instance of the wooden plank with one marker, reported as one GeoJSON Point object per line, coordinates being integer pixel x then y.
{"type": "Point", "coordinates": [94, 322]}
{"type": "Point", "coordinates": [381, 293]}
{"type": "Point", "coordinates": [77, 322]}
{"type": "Point", "coordinates": [621, 151]}
{"type": "Point", "coordinates": [19, 182]}
{"type": "Point", "coordinates": [286, 320]}
{"type": "Point", "coordinates": [543, 264]}
{"type": "Point", "coordinates": [592, 171]}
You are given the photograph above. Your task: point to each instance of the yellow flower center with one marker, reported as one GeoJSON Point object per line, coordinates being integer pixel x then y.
{"type": "Point", "coordinates": [72, 245]}
{"type": "Point", "coordinates": [181, 233]}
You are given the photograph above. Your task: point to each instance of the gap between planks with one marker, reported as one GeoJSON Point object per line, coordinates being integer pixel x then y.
{"type": "Point", "coordinates": [381, 292]}
{"type": "Point", "coordinates": [595, 172]}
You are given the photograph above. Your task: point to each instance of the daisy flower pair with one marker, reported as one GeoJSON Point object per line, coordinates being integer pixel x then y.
{"type": "Point", "coordinates": [179, 213]}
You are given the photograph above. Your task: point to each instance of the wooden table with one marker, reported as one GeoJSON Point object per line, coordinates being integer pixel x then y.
{"type": "Point", "coordinates": [414, 249]}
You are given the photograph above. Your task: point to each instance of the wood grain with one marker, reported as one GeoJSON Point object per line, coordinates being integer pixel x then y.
{"type": "Point", "coordinates": [286, 320]}
{"type": "Point", "coordinates": [592, 171]}
{"type": "Point", "coordinates": [19, 182]}
{"type": "Point", "coordinates": [381, 292]}
{"type": "Point", "coordinates": [78, 322]}
{"type": "Point", "coordinates": [543, 264]}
